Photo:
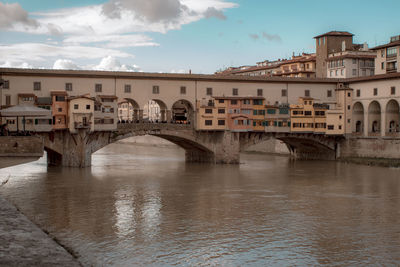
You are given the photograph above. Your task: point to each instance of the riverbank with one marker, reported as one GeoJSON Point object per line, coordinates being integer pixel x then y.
{"type": "Point", "coordinates": [22, 243]}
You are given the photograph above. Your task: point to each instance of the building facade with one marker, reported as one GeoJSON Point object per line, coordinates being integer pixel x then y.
{"type": "Point", "coordinates": [388, 56]}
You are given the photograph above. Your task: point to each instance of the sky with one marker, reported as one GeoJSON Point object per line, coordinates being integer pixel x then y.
{"type": "Point", "coordinates": [178, 36]}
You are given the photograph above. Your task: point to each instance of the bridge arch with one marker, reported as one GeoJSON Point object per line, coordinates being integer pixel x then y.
{"type": "Point", "coordinates": [392, 117]}
{"type": "Point", "coordinates": [374, 118]}
{"type": "Point", "coordinates": [155, 110]}
{"type": "Point", "coordinates": [358, 118]}
{"type": "Point", "coordinates": [183, 112]}
{"type": "Point", "coordinates": [128, 110]}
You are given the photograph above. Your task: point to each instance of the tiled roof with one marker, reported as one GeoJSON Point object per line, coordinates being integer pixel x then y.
{"type": "Point", "coordinates": [396, 43]}
{"type": "Point", "coordinates": [335, 33]}
{"type": "Point", "coordinates": [157, 76]}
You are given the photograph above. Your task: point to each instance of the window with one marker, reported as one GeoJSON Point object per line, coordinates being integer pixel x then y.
{"type": "Point", "coordinates": [257, 102]}
{"type": "Point", "coordinates": [8, 100]}
{"type": "Point", "coordinates": [98, 88]}
{"type": "Point", "coordinates": [354, 72]}
{"type": "Point", "coordinates": [87, 106]}
{"type": "Point", "coordinates": [156, 89]}
{"type": "Point", "coordinates": [233, 102]}
{"type": "Point", "coordinates": [235, 91]}
{"type": "Point", "coordinates": [76, 106]}
{"type": "Point", "coordinates": [284, 92]}
{"type": "Point", "coordinates": [392, 90]}
{"type": "Point", "coordinates": [68, 87]}
{"type": "Point", "coordinates": [354, 61]}
{"type": "Point", "coordinates": [348, 94]}
{"type": "Point", "coordinates": [382, 53]}
{"type": "Point", "coordinates": [208, 111]}
{"type": "Point", "coordinates": [183, 90]}
{"type": "Point", "coordinates": [358, 92]}
{"type": "Point", "coordinates": [391, 52]}
{"type": "Point", "coordinates": [60, 98]}
{"type": "Point", "coordinates": [246, 101]}
{"type": "Point", "coordinates": [221, 101]}
{"type": "Point", "coordinates": [36, 86]}
{"type": "Point", "coordinates": [6, 85]}
{"type": "Point", "coordinates": [221, 111]}
{"type": "Point", "coordinates": [221, 122]}
{"type": "Point", "coordinates": [306, 92]}
{"type": "Point", "coordinates": [375, 91]}
{"type": "Point", "coordinates": [382, 65]}
{"type": "Point", "coordinates": [308, 113]}
{"type": "Point", "coordinates": [208, 122]}
{"type": "Point", "coordinates": [259, 92]}
{"type": "Point", "coordinates": [209, 91]}
{"type": "Point", "coordinates": [331, 73]}
{"type": "Point", "coordinates": [331, 127]}
{"type": "Point", "coordinates": [348, 107]}
{"type": "Point", "coordinates": [329, 93]}
{"type": "Point", "coordinates": [127, 88]}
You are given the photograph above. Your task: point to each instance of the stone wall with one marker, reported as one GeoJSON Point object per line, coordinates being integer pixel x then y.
{"type": "Point", "coordinates": [21, 146]}
{"type": "Point", "coordinates": [379, 148]}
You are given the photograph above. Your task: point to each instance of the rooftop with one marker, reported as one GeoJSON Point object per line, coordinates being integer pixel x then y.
{"type": "Point", "coordinates": [335, 33]}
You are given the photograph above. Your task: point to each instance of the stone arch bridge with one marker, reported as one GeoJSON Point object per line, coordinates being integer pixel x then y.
{"type": "Point", "coordinates": [224, 147]}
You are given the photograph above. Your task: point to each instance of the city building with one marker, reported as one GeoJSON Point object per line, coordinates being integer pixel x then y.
{"type": "Point", "coordinates": [298, 66]}
{"type": "Point", "coordinates": [351, 63]}
{"type": "Point", "coordinates": [81, 113]}
{"type": "Point", "coordinates": [277, 118]}
{"type": "Point", "coordinates": [59, 108]}
{"type": "Point", "coordinates": [212, 114]}
{"type": "Point", "coordinates": [329, 43]}
{"type": "Point", "coordinates": [105, 113]}
{"type": "Point", "coordinates": [388, 56]}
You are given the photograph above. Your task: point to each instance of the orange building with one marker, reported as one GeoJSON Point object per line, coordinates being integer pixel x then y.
{"type": "Point", "coordinates": [59, 108]}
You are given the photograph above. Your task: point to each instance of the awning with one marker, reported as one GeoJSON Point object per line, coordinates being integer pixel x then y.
{"type": "Point", "coordinates": [25, 111]}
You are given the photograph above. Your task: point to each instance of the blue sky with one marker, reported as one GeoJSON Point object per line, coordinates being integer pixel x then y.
{"type": "Point", "coordinates": [178, 35]}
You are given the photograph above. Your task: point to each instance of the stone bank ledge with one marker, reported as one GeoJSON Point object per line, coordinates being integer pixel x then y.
{"type": "Point", "coordinates": [22, 243]}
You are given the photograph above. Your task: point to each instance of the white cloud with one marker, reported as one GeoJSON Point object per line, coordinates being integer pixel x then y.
{"type": "Point", "coordinates": [112, 64]}
{"type": "Point", "coordinates": [19, 65]}
{"type": "Point", "coordinates": [113, 41]}
{"type": "Point", "coordinates": [65, 64]}
{"type": "Point", "coordinates": [180, 71]}
{"type": "Point", "coordinates": [99, 31]}
{"type": "Point", "coordinates": [40, 52]}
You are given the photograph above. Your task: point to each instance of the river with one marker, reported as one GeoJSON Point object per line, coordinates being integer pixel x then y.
{"type": "Point", "coordinates": [143, 205]}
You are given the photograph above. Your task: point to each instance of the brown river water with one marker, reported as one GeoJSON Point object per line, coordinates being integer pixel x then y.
{"type": "Point", "coordinates": [143, 205]}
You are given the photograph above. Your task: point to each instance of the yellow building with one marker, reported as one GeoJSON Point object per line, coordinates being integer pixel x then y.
{"type": "Point", "coordinates": [307, 116]}
{"type": "Point", "coordinates": [211, 115]}
{"type": "Point", "coordinates": [258, 114]}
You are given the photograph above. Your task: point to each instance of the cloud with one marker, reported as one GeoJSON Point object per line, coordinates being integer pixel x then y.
{"type": "Point", "coordinates": [41, 52]}
{"type": "Point", "coordinates": [266, 36]}
{"type": "Point", "coordinates": [254, 36]}
{"type": "Point", "coordinates": [153, 11]}
{"type": "Point", "coordinates": [19, 65]}
{"type": "Point", "coordinates": [14, 14]}
{"type": "Point", "coordinates": [272, 37]}
{"type": "Point", "coordinates": [113, 41]}
{"type": "Point", "coordinates": [65, 64]}
{"type": "Point", "coordinates": [213, 12]}
{"type": "Point", "coordinates": [98, 31]}
{"type": "Point", "coordinates": [112, 64]}
{"type": "Point", "coordinates": [179, 71]}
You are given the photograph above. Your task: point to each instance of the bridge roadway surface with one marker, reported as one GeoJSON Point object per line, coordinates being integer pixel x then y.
{"type": "Point", "coordinates": [22, 243]}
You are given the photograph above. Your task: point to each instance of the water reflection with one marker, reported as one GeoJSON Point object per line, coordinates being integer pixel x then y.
{"type": "Point", "coordinates": [142, 205]}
